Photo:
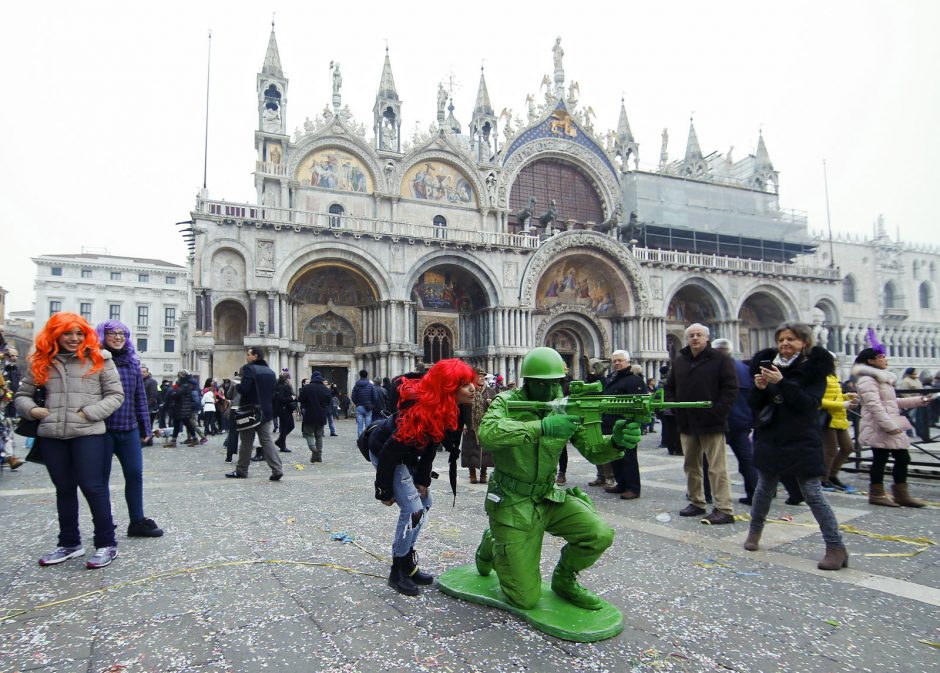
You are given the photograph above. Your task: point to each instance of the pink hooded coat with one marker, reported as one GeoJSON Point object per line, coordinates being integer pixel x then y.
{"type": "Point", "coordinates": [881, 408]}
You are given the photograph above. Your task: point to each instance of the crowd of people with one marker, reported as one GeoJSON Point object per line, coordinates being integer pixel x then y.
{"type": "Point", "coordinates": [784, 414]}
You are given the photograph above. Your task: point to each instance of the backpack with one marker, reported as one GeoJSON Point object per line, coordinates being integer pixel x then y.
{"type": "Point", "coordinates": [363, 441]}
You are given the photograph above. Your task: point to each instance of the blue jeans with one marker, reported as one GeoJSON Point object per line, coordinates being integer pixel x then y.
{"type": "Point", "coordinates": [81, 463]}
{"type": "Point", "coordinates": [413, 508]}
{"type": "Point", "coordinates": [126, 446]}
{"type": "Point", "coordinates": [812, 492]}
{"type": "Point", "coordinates": [363, 418]}
{"type": "Point", "coordinates": [329, 419]}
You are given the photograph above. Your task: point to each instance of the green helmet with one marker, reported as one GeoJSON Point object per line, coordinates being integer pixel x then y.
{"type": "Point", "coordinates": [542, 363]}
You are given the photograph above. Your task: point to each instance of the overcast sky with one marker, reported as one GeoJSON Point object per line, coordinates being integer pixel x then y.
{"type": "Point", "coordinates": [105, 104]}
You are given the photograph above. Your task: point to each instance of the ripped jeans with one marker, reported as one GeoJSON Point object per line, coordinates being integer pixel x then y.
{"type": "Point", "coordinates": [412, 508]}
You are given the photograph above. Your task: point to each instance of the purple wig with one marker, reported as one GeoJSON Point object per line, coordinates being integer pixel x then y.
{"type": "Point", "coordinates": [876, 345]}
{"type": "Point", "coordinates": [118, 326]}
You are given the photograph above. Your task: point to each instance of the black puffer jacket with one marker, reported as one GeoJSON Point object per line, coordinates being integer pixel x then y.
{"type": "Point", "coordinates": [791, 444]}
{"type": "Point", "coordinates": [706, 377]}
{"type": "Point", "coordinates": [621, 382]}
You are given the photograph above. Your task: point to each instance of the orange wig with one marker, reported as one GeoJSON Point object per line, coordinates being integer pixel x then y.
{"type": "Point", "coordinates": [47, 345]}
{"type": "Point", "coordinates": [427, 408]}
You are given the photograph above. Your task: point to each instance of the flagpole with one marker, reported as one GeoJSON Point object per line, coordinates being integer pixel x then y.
{"type": "Point", "coordinates": [205, 158]}
{"type": "Point", "coordinates": [832, 259]}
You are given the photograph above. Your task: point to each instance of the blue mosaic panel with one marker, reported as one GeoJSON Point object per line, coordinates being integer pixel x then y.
{"type": "Point", "coordinates": [561, 125]}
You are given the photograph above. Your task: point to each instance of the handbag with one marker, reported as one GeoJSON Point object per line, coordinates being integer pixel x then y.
{"type": "Point", "coordinates": [825, 418]}
{"type": "Point", "coordinates": [35, 452]}
{"type": "Point", "coordinates": [249, 416]}
{"type": "Point", "coordinates": [28, 426]}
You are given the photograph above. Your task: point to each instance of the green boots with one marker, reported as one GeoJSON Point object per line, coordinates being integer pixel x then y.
{"type": "Point", "coordinates": [565, 584]}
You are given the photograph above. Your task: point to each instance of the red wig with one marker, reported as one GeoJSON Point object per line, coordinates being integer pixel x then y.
{"type": "Point", "coordinates": [427, 405]}
{"type": "Point", "coordinates": [47, 345]}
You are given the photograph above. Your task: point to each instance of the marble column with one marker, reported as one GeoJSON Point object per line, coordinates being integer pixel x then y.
{"type": "Point", "coordinates": [199, 313]}
{"type": "Point", "coordinates": [252, 313]}
{"type": "Point", "coordinates": [207, 306]}
{"type": "Point", "coordinates": [272, 324]}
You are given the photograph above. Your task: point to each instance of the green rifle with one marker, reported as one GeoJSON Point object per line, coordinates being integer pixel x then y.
{"type": "Point", "coordinates": [586, 401]}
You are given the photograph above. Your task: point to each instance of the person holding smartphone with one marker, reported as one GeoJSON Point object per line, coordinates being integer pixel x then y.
{"type": "Point", "coordinates": [789, 383]}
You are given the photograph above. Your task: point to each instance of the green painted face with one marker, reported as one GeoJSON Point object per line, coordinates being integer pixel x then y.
{"type": "Point", "coordinates": [543, 390]}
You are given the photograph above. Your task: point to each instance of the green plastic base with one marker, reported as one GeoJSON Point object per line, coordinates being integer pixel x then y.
{"type": "Point", "coordinates": [552, 614]}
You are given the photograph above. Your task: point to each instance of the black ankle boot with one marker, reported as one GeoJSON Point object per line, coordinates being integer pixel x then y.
{"type": "Point", "coordinates": [399, 580]}
{"type": "Point", "coordinates": [413, 571]}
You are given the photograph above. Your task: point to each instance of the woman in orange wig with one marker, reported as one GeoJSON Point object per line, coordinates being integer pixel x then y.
{"type": "Point", "coordinates": [82, 388]}
{"type": "Point", "coordinates": [402, 449]}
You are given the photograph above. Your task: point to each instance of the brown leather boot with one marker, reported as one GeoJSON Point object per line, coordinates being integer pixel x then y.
{"type": "Point", "coordinates": [877, 496]}
{"type": "Point", "coordinates": [15, 462]}
{"type": "Point", "coordinates": [836, 558]}
{"type": "Point", "coordinates": [482, 475]}
{"type": "Point", "coordinates": [903, 498]}
{"type": "Point", "coordinates": [473, 475]}
{"type": "Point", "coordinates": [752, 541]}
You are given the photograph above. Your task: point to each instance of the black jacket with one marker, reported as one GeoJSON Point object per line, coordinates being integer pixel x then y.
{"type": "Point", "coordinates": [180, 400]}
{"type": "Point", "coordinates": [283, 398]}
{"type": "Point", "coordinates": [392, 453]}
{"type": "Point", "coordinates": [363, 394]}
{"type": "Point", "coordinates": [314, 401]}
{"type": "Point", "coordinates": [258, 375]}
{"type": "Point", "coordinates": [153, 394]}
{"type": "Point", "coordinates": [791, 444]}
{"type": "Point", "coordinates": [708, 377]}
{"type": "Point", "coordinates": [620, 383]}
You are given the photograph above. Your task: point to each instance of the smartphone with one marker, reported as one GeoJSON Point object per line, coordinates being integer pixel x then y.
{"type": "Point", "coordinates": [766, 364]}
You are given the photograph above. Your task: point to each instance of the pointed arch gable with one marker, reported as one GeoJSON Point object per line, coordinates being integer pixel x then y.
{"type": "Point", "coordinates": [350, 145]}
{"type": "Point", "coordinates": [621, 260]}
{"type": "Point", "coordinates": [540, 141]}
{"type": "Point", "coordinates": [439, 152]}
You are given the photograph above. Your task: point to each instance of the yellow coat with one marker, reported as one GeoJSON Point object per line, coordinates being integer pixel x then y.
{"type": "Point", "coordinates": [833, 401]}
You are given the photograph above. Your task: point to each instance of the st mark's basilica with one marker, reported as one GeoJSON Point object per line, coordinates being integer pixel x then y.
{"type": "Point", "coordinates": [481, 240]}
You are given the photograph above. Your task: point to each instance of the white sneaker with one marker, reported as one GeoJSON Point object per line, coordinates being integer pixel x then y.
{"type": "Point", "coordinates": [102, 557]}
{"type": "Point", "coordinates": [61, 554]}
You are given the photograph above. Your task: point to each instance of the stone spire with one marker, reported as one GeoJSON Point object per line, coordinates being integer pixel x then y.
{"type": "Point", "coordinates": [272, 91]}
{"type": "Point", "coordinates": [452, 122]}
{"type": "Point", "coordinates": [387, 111]}
{"type": "Point", "coordinates": [483, 124]}
{"type": "Point", "coordinates": [272, 59]}
{"type": "Point", "coordinates": [625, 145]}
{"type": "Point", "coordinates": [764, 175]}
{"type": "Point", "coordinates": [694, 163]}
{"type": "Point", "coordinates": [693, 152]}
{"type": "Point", "coordinates": [482, 106]}
{"type": "Point", "coordinates": [623, 125]}
{"type": "Point", "coordinates": [387, 85]}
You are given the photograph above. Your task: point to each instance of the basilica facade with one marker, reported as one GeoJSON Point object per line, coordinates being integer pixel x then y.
{"type": "Point", "coordinates": [360, 250]}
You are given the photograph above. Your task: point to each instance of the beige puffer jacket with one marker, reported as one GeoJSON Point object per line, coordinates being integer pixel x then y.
{"type": "Point", "coordinates": [68, 391]}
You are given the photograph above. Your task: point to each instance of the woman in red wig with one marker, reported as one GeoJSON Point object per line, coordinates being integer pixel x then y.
{"type": "Point", "coordinates": [402, 449]}
{"type": "Point", "coordinates": [82, 388]}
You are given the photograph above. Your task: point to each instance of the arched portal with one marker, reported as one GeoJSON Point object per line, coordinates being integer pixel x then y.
{"type": "Point", "coordinates": [759, 316]}
{"type": "Point", "coordinates": [576, 336]}
{"type": "Point", "coordinates": [231, 327]}
{"type": "Point", "coordinates": [329, 332]}
{"type": "Point", "coordinates": [450, 298]}
{"type": "Point", "coordinates": [693, 304]}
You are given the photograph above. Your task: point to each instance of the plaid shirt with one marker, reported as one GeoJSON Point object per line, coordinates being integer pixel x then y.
{"type": "Point", "coordinates": [133, 412]}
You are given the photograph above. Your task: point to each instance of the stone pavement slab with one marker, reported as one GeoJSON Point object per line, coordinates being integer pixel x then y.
{"type": "Point", "coordinates": [248, 578]}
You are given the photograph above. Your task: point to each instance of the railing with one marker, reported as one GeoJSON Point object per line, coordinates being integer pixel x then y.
{"type": "Point", "coordinates": [734, 264]}
{"type": "Point", "coordinates": [270, 168]}
{"type": "Point", "coordinates": [895, 313]}
{"type": "Point", "coordinates": [241, 214]}
{"type": "Point", "coordinates": [169, 329]}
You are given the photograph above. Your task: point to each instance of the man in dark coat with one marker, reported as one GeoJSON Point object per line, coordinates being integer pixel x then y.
{"type": "Point", "coordinates": [623, 382]}
{"type": "Point", "coordinates": [180, 405]}
{"type": "Point", "coordinates": [364, 398]}
{"type": "Point", "coordinates": [315, 400]}
{"type": "Point", "coordinates": [153, 398]}
{"type": "Point", "coordinates": [257, 388]}
{"type": "Point", "coordinates": [702, 374]}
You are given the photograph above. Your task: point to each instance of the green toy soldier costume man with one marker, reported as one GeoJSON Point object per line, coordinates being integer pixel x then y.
{"type": "Point", "coordinates": [523, 501]}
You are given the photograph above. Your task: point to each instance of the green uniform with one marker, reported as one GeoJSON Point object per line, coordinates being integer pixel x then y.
{"type": "Point", "coordinates": [523, 502]}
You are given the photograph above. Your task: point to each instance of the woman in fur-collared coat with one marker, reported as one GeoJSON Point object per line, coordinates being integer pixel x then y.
{"type": "Point", "coordinates": [787, 390]}
{"type": "Point", "coordinates": [883, 428]}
